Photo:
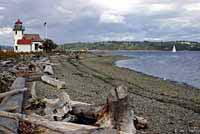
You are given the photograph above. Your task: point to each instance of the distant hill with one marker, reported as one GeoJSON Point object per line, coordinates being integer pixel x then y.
{"type": "Point", "coordinates": [134, 45]}
{"type": "Point", "coordinates": [6, 47]}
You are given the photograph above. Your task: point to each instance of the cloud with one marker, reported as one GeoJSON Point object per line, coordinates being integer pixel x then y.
{"type": "Point", "coordinates": [111, 18]}
{"type": "Point", "coordinates": [5, 30]}
{"type": "Point", "coordinates": [2, 8]}
{"type": "Point", "coordinates": [193, 7]}
{"type": "Point", "coordinates": [161, 7]}
{"type": "Point", "coordinates": [91, 20]}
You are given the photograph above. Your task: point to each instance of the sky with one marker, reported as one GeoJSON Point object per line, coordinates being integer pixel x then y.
{"type": "Point", "coordinates": [102, 20]}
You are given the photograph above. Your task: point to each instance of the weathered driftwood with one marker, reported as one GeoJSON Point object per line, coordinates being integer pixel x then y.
{"type": "Point", "coordinates": [52, 81]}
{"type": "Point", "coordinates": [63, 105]}
{"type": "Point", "coordinates": [33, 91]}
{"type": "Point", "coordinates": [48, 69]}
{"type": "Point", "coordinates": [95, 112]}
{"type": "Point", "coordinates": [74, 103]}
{"type": "Point", "coordinates": [58, 107]}
{"type": "Point", "coordinates": [140, 122]}
{"type": "Point", "coordinates": [6, 62]}
{"type": "Point", "coordinates": [101, 114]}
{"type": "Point", "coordinates": [44, 59]}
{"type": "Point", "coordinates": [13, 102]}
{"type": "Point", "coordinates": [87, 111]}
{"type": "Point", "coordinates": [117, 113]}
{"type": "Point", "coordinates": [12, 92]}
{"type": "Point", "coordinates": [59, 127]}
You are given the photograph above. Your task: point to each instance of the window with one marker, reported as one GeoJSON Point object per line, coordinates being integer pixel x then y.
{"type": "Point", "coordinates": [16, 48]}
{"type": "Point", "coordinates": [36, 47]}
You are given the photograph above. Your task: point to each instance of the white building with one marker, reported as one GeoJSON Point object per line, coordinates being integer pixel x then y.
{"type": "Point", "coordinates": [25, 42]}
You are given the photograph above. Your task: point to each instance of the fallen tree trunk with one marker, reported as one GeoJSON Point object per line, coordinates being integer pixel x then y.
{"type": "Point", "coordinates": [53, 82]}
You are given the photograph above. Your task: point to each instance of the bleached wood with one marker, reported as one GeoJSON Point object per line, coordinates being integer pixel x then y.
{"type": "Point", "coordinates": [52, 81]}
{"type": "Point", "coordinates": [33, 92]}
{"type": "Point", "coordinates": [61, 127]}
{"type": "Point", "coordinates": [12, 92]}
{"type": "Point", "coordinates": [48, 69]}
{"type": "Point", "coordinates": [117, 113]}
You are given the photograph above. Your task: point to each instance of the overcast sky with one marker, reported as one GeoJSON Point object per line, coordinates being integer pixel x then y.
{"type": "Point", "coordinates": [96, 20]}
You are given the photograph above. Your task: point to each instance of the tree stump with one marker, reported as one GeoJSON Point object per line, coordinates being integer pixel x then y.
{"type": "Point", "coordinates": [117, 114]}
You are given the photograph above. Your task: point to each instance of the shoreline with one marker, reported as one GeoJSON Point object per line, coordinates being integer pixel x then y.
{"type": "Point", "coordinates": [157, 77]}
{"type": "Point", "coordinates": [109, 53]}
{"type": "Point", "coordinates": [167, 106]}
{"type": "Point", "coordinates": [151, 95]}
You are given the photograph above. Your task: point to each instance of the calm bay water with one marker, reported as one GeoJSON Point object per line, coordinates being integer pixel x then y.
{"type": "Point", "coordinates": [183, 66]}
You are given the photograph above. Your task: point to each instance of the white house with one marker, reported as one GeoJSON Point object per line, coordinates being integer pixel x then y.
{"type": "Point", "coordinates": [25, 42]}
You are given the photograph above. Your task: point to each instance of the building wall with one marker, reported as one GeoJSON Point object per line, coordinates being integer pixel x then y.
{"type": "Point", "coordinates": [17, 36]}
{"type": "Point", "coordinates": [29, 48]}
{"type": "Point", "coordinates": [36, 49]}
{"type": "Point", "coordinates": [24, 48]}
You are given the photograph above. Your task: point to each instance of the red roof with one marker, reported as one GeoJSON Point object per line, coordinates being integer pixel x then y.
{"type": "Point", "coordinates": [24, 42]}
{"type": "Point", "coordinates": [18, 22]}
{"type": "Point", "coordinates": [32, 37]}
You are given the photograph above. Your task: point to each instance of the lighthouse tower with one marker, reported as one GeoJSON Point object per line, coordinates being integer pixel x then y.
{"type": "Point", "coordinates": [18, 33]}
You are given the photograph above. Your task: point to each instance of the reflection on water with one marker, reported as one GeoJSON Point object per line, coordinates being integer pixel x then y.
{"type": "Point", "coordinates": [181, 66]}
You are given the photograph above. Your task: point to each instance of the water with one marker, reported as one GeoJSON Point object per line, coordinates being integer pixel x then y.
{"type": "Point", "coordinates": [181, 66]}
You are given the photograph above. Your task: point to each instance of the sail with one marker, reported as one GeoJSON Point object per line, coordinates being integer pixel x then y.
{"type": "Point", "coordinates": [174, 49]}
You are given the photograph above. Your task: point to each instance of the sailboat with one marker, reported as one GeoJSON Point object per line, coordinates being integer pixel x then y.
{"type": "Point", "coordinates": [174, 49]}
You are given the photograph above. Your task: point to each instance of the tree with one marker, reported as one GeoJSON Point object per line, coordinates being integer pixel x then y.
{"type": "Point", "coordinates": [48, 45]}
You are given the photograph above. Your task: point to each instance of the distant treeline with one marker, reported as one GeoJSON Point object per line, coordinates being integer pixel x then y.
{"type": "Point", "coordinates": [134, 45]}
{"type": "Point", "coordinates": [2, 47]}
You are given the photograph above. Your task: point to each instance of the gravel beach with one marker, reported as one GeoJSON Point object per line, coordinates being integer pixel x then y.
{"type": "Point", "coordinates": [169, 106]}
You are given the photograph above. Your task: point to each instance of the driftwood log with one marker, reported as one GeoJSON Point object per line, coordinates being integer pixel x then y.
{"type": "Point", "coordinates": [52, 81]}
{"type": "Point", "coordinates": [59, 127]}
{"type": "Point", "coordinates": [107, 115]}
{"type": "Point", "coordinates": [117, 114]}
{"type": "Point", "coordinates": [48, 69]}
{"type": "Point", "coordinates": [58, 108]}
{"type": "Point", "coordinates": [12, 101]}
{"type": "Point", "coordinates": [33, 91]}
{"type": "Point", "coordinates": [114, 117]}
{"type": "Point", "coordinates": [12, 92]}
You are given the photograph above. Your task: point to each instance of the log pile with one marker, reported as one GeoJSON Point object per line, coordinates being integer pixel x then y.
{"type": "Point", "coordinates": [115, 117]}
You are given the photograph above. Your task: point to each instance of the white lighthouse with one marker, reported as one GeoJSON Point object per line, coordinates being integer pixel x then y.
{"type": "Point", "coordinates": [25, 42]}
{"type": "Point", "coordinates": [18, 33]}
